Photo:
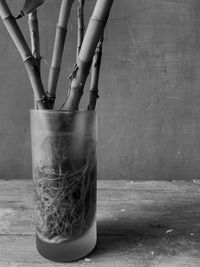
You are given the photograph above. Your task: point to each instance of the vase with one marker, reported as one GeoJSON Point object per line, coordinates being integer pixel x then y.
{"type": "Point", "coordinates": [64, 176]}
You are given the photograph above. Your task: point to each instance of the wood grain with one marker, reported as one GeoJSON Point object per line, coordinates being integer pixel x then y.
{"type": "Point", "coordinates": [139, 224]}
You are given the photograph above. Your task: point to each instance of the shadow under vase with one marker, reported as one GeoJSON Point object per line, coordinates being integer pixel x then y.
{"type": "Point", "coordinates": [152, 233]}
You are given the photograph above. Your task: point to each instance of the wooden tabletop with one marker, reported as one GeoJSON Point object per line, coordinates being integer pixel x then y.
{"type": "Point", "coordinates": [152, 223]}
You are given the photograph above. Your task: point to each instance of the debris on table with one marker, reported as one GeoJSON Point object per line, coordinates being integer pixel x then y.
{"type": "Point", "coordinates": [195, 181]}
{"type": "Point", "coordinates": [87, 259]}
{"type": "Point", "coordinates": [170, 231]}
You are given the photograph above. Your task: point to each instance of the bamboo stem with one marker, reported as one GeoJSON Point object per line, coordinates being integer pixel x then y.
{"type": "Point", "coordinates": [35, 38]}
{"type": "Point", "coordinates": [81, 27]}
{"type": "Point", "coordinates": [92, 36]}
{"type": "Point", "coordinates": [27, 57]}
{"type": "Point", "coordinates": [60, 37]}
{"type": "Point", "coordinates": [96, 64]}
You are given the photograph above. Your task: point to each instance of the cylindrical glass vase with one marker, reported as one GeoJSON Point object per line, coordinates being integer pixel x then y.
{"type": "Point", "coordinates": [64, 177]}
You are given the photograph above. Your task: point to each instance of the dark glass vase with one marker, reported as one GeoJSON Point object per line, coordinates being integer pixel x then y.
{"type": "Point", "coordinates": [64, 177]}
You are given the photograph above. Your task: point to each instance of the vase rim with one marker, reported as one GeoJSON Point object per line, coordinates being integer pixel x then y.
{"type": "Point", "coordinates": [62, 111]}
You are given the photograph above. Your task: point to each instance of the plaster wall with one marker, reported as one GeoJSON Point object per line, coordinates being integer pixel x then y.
{"type": "Point", "coordinates": [149, 106]}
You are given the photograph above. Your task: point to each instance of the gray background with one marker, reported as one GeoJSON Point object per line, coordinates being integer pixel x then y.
{"type": "Point", "coordinates": [149, 106]}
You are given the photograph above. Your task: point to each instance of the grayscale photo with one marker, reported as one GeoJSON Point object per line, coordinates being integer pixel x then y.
{"type": "Point", "coordinates": [100, 133]}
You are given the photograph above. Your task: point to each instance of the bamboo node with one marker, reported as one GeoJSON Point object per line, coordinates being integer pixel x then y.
{"type": "Point", "coordinates": [79, 89]}
{"type": "Point", "coordinates": [28, 57]}
{"type": "Point", "coordinates": [20, 15]}
{"type": "Point", "coordinates": [50, 97]}
{"type": "Point", "coordinates": [95, 92]}
{"type": "Point", "coordinates": [61, 28]}
{"type": "Point", "coordinates": [43, 99]}
{"type": "Point", "coordinates": [81, 27]}
{"type": "Point", "coordinates": [100, 20]}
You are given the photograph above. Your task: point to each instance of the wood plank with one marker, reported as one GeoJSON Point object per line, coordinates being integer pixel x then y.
{"type": "Point", "coordinates": [109, 184]}
{"type": "Point", "coordinates": [111, 251]}
{"type": "Point", "coordinates": [145, 207]}
{"type": "Point", "coordinates": [139, 224]}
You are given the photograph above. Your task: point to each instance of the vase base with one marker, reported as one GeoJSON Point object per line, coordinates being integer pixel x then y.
{"type": "Point", "coordinates": [69, 250]}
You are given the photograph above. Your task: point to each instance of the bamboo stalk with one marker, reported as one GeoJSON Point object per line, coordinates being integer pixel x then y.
{"type": "Point", "coordinates": [27, 57]}
{"type": "Point", "coordinates": [35, 38]}
{"type": "Point", "coordinates": [96, 64]}
{"type": "Point", "coordinates": [81, 27]}
{"type": "Point", "coordinates": [61, 32]}
{"type": "Point", "coordinates": [92, 36]}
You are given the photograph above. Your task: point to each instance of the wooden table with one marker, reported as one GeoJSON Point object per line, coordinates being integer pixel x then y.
{"type": "Point", "coordinates": [139, 224]}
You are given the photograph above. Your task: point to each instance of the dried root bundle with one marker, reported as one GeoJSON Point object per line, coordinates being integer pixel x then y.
{"type": "Point", "coordinates": [65, 201]}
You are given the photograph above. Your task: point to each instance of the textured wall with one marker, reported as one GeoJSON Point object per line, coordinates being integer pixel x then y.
{"type": "Point", "coordinates": [149, 106]}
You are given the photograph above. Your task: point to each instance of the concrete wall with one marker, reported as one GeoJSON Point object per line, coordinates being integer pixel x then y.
{"type": "Point", "coordinates": [149, 106]}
